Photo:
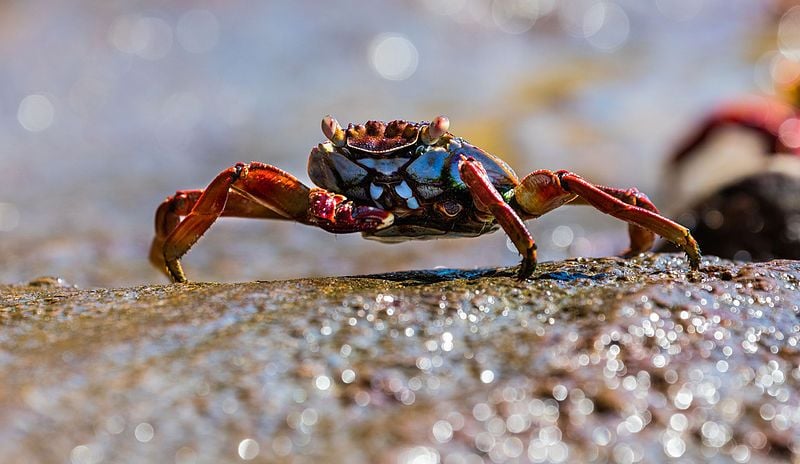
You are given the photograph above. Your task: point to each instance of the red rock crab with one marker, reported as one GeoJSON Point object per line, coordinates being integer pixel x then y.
{"type": "Point", "coordinates": [399, 181]}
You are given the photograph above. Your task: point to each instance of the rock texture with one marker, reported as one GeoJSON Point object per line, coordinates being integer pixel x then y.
{"type": "Point", "coordinates": [756, 218]}
{"type": "Point", "coordinates": [603, 360]}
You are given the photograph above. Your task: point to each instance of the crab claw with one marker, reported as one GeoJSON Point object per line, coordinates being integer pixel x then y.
{"type": "Point", "coordinates": [433, 131]}
{"type": "Point", "coordinates": [333, 131]}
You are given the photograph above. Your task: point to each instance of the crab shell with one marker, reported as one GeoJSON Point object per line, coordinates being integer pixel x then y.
{"type": "Point", "coordinates": [411, 170]}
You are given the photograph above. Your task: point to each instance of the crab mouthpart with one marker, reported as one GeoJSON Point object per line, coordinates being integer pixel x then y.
{"type": "Point", "coordinates": [333, 131]}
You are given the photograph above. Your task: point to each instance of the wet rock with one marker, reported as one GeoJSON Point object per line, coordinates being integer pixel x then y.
{"type": "Point", "coordinates": [596, 359]}
{"type": "Point", "coordinates": [756, 218]}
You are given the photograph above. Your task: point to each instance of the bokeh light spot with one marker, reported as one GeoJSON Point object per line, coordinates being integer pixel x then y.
{"type": "Point", "coordinates": [144, 432]}
{"type": "Point", "coordinates": [606, 26]}
{"type": "Point", "coordinates": [789, 133]}
{"type": "Point", "coordinates": [322, 382]}
{"type": "Point", "coordinates": [393, 57]}
{"type": "Point", "coordinates": [515, 16]}
{"type": "Point", "coordinates": [83, 454]}
{"type": "Point", "coordinates": [563, 236]}
{"type": "Point", "coordinates": [784, 72]}
{"type": "Point", "coordinates": [36, 113]}
{"type": "Point", "coordinates": [248, 449]}
{"type": "Point", "coordinates": [419, 455]}
{"type": "Point", "coordinates": [146, 37]}
{"type": "Point", "coordinates": [789, 34]}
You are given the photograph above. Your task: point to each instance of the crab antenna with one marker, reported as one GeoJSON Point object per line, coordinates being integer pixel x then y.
{"type": "Point", "coordinates": [433, 131]}
{"type": "Point", "coordinates": [333, 131]}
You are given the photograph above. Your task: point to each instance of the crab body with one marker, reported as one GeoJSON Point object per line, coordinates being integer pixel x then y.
{"type": "Point", "coordinates": [420, 184]}
{"type": "Point", "coordinates": [398, 181]}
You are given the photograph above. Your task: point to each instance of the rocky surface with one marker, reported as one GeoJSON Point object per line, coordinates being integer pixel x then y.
{"type": "Point", "coordinates": [757, 217]}
{"type": "Point", "coordinates": [603, 360]}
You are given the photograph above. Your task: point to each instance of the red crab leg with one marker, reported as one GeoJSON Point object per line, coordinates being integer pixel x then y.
{"type": "Point", "coordinates": [488, 199]}
{"type": "Point", "coordinates": [254, 191]}
{"type": "Point", "coordinates": [642, 239]}
{"type": "Point", "coordinates": [542, 191]}
{"type": "Point", "coordinates": [762, 115]}
{"type": "Point", "coordinates": [169, 213]}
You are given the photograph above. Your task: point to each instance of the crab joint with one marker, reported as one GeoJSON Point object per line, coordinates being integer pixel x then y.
{"type": "Point", "coordinates": [333, 131]}
{"type": "Point", "coordinates": [433, 131]}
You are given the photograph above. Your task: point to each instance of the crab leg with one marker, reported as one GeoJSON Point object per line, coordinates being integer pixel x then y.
{"type": "Point", "coordinates": [488, 199]}
{"type": "Point", "coordinates": [255, 191]}
{"type": "Point", "coordinates": [542, 191]}
{"type": "Point", "coordinates": [763, 116]}
{"type": "Point", "coordinates": [642, 239]}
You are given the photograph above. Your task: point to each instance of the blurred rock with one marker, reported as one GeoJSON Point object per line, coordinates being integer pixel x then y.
{"type": "Point", "coordinates": [756, 218]}
{"type": "Point", "coordinates": [597, 359]}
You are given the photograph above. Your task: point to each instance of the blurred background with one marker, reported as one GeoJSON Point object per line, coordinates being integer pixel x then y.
{"type": "Point", "coordinates": [108, 107]}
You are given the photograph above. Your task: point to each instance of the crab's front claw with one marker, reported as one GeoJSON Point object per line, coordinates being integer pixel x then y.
{"type": "Point", "coordinates": [372, 218]}
{"type": "Point", "coordinates": [335, 213]}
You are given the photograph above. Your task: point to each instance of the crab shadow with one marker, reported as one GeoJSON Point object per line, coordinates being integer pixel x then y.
{"type": "Point", "coordinates": [431, 276]}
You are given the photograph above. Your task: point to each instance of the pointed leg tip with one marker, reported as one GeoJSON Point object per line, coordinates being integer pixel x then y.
{"type": "Point", "coordinates": [527, 267]}
{"type": "Point", "coordinates": [175, 272]}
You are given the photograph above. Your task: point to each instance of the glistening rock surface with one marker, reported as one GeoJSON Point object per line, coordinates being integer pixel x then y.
{"type": "Point", "coordinates": [602, 359]}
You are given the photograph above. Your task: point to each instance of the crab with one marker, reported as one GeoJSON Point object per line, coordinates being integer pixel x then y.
{"type": "Point", "coordinates": [399, 181]}
{"type": "Point", "coordinates": [749, 136]}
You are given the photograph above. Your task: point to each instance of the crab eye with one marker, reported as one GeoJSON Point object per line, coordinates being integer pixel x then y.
{"type": "Point", "coordinates": [333, 131]}
{"type": "Point", "coordinates": [433, 131]}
